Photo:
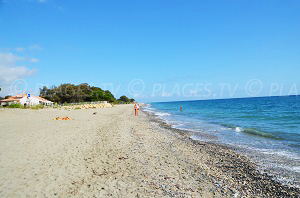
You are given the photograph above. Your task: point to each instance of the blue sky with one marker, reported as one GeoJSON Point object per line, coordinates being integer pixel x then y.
{"type": "Point", "coordinates": [158, 50]}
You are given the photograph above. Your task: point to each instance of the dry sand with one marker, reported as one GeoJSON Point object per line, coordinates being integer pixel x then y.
{"type": "Point", "coordinates": [113, 153]}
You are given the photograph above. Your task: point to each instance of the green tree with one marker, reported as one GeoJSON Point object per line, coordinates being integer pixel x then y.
{"type": "Point", "coordinates": [124, 99]}
{"type": "Point", "coordinates": [131, 100]}
{"type": "Point", "coordinates": [108, 96]}
{"type": "Point", "coordinates": [71, 93]}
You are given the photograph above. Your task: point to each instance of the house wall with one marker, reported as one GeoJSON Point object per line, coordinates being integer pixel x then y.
{"type": "Point", "coordinates": [8, 103]}
{"type": "Point", "coordinates": [4, 103]}
{"type": "Point", "coordinates": [23, 100]}
{"type": "Point", "coordinates": [34, 101]}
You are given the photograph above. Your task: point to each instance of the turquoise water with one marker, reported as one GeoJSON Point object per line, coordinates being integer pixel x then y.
{"type": "Point", "coordinates": [267, 129]}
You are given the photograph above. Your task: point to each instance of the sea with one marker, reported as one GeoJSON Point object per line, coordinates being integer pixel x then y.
{"type": "Point", "coordinates": [266, 129]}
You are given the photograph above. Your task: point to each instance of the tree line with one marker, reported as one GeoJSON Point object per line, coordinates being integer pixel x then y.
{"type": "Point", "coordinates": [70, 93]}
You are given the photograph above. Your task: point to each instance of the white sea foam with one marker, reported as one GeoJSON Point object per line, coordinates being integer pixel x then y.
{"type": "Point", "coordinates": [177, 125]}
{"type": "Point", "coordinates": [290, 168]}
{"type": "Point", "coordinates": [148, 110]}
{"type": "Point", "coordinates": [295, 169]}
{"type": "Point", "coordinates": [238, 129]}
{"type": "Point", "coordinates": [194, 137]}
{"type": "Point", "coordinates": [162, 114]}
{"type": "Point", "coordinates": [279, 153]}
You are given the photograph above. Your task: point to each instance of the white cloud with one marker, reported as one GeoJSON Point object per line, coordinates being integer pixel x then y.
{"type": "Point", "coordinates": [9, 59]}
{"type": "Point", "coordinates": [35, 47]}
{"type": "Point", "coordinates": [20, 49]}
{"type": "Point", "coordinates": [10, 72]}
{"type": "Point", "coordinates": [34, 60]}
{"type": "Point", "coordinates": [31, 48]}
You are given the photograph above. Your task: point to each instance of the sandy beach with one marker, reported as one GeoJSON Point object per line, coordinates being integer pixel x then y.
{"type": "Point", "coordinates": [113, 153]}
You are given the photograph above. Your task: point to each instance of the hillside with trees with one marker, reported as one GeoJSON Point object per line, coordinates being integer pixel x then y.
{"type": "Point", "coordinates": [70, 93]}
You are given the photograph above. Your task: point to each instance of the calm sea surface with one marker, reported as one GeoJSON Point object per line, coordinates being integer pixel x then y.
{"type": "Point", "coordinates": [267, 129]}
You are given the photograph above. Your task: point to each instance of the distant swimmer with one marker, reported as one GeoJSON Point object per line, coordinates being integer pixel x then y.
{"type": "Point", "coordinates": [181, 108]}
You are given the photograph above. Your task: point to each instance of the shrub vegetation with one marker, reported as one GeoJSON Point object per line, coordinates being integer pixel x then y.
{"type": "Point", "coordinates": [16, 105]}
{"type": "Point", "coordinates": [70, 93]}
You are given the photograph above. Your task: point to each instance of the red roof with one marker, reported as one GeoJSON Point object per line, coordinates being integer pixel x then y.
{"type": "Point", "coordinates": [10, 100]}
{"type": "Point", "coordinates": [40, 98]}
{"type": "Point", "coordinates": [21, 95]}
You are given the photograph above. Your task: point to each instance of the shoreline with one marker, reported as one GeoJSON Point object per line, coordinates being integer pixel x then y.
{"type": "Point", "coordinates": [240, 165]}
{"type": "Point", "coordinates": [114, 153]}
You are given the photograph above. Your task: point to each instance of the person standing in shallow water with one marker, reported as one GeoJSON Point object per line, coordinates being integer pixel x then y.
{"type": "Point", "coordinates": [136, 109]}
{"type": "Point", "coordinates": [181, 108]}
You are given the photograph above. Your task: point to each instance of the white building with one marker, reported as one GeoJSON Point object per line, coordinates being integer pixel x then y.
{"type": "Point", "coordinates": [25, 100]}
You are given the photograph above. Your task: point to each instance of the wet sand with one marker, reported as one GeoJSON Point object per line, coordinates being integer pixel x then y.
{"type": "Point", "coordinates": [113, 153]}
